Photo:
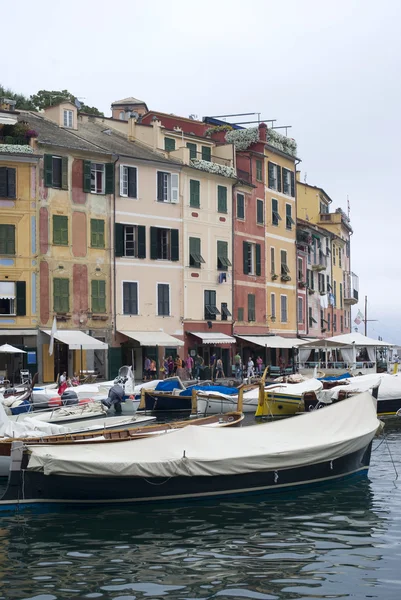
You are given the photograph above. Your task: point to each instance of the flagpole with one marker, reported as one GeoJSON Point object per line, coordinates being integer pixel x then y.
{"type": "Point", "coordinates": [366, 315]}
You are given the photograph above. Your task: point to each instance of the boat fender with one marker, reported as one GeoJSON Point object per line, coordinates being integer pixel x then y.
{"type": "Point", "coordinates": [275, 476]}
{"type": "Point", "coordinates": [183, 456]}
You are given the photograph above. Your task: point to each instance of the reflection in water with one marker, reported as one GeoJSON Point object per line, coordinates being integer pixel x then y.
{"type": "Point", "coordinates": [339, 543]}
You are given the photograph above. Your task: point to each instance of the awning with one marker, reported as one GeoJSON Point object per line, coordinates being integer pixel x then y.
{"type": "Point", "coordinates": [214, 337]}
{"type": "Point", "coordinates": [153, 338]}
{"type": "Point", "coordinates": [349, 340]}
{"type": "Point", "coordinates": [18, 332]}
{"type": "Point", "coordinates": [272, 341]}
{"type": "Point", "coordinates": [76, 340]}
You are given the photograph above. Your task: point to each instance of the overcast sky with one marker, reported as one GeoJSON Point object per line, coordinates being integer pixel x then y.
{"type": "Point", "coordinates": [332, 70]}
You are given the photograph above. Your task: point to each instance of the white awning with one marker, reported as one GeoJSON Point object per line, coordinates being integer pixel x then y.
{"type": "Point", "coordinates": [272, 341]}
{"type": "Point", "coordinates": [76, 340]}
{"type": "Point", "coordinates": [153, 338]}
{"type": "Point", "coordinates": [18, 332]}
{"type": "Point", "coordinates": [348, 340]}
{"type": "Point", "coordinates": [215, 338]}
{"type": "Point", "coordinates": [7, 290]}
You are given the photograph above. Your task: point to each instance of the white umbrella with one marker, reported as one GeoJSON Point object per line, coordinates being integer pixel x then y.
{"type": "Point", "coordinates": [8, 349]}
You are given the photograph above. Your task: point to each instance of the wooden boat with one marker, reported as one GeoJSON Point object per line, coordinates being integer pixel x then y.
{"type": "Point", "coordinates": [194, 463]}
{"type": "Point", "coordinates": [127, 432]}
{"type": "Point", "coordinates": [284, 399]}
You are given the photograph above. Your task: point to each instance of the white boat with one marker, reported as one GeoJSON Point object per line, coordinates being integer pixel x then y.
{"type": "Point", "coordinates": [77, 412]}
{"type": "Point", "coordinates": [213, 403]}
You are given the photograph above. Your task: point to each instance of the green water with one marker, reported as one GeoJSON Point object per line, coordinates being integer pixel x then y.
{"type": "Point", "coordinates": [331, 543]}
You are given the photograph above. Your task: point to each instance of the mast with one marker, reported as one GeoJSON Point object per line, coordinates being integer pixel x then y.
{"type": "Point", "coordinates": [366, 315]}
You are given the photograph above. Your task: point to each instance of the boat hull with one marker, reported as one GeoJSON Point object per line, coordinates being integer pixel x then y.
{"type": "Point", "coordinates": [276, 405]}
{"type": "Point", "coordinates": [388, 407]}
{"type": "Point", "coordinates": [27, 487]}
{"type": "Point", "coordinates": [168, 403]}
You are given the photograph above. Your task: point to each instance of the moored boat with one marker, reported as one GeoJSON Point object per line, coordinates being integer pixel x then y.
{"type": "Point", "coordinates": [285, 399]}
{"type": "Point", "coordinates": [193, 463]}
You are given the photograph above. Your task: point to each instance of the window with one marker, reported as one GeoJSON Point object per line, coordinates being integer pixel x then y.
{"type": "Point", "coordinates": [284, 267]}
{"type": "Point", "coordinates": [273, 306]}
{"type": "Point", "coordinates": [163, 299]}
{"type": "Point", "coordinates": [340, 250]}
{"type": "Point", "coordinates": [312, 320]}
{"type": "Point", "coordinates": [240, 314]}
{"type": "Point", "coordinates": [194, 193]}
{"type": "Point", "coordinates": [128, 182]}
{"type": "Point", "coordinates": [289, 221]}
{"type": "Point", "coordinates": [310, 279]}
{"type": "Point", "coordinates": [195, 255]}
{"type": "Point", "coordinates": [60, 230]}
{"type": "Point", "coordinates": [300, 309]}
{"type": "Point", "coordinates": [223, 261]}
{"type": "Point", "coordinates": [240, 206]}
{"type": "Point", "coordinates": [68, 119]}
{"type": "Point", "coordinates": [260, 217]}
{"type": "Point", "coordinates": [300, 269]}
{"type": "Point", "coordinates": [61, 295]}
{"type": "Point", "coordinates": [192, 150]}
{"type": "Point", "coordinates": [169, 144]}
{"type": "Point", "coordinates": [130, 298]}
{"type": "Point", "coordinates": [211, 309]}
{"type": "Point", "coordinates": [251, 259]}
{"type": "Point", "coordinates": [341, 295]}
{"type": "Point", "coordinates": [97, 233]}
{"type": "Point", "coordinates": [167, 187]}
{"type": "Point", "coordinates": [164, 244]}
{"type": "Point", "coordinates": [7, 239]}
{"type": "Point", "coordinates": [13, 298]}
{"type": "Point", "coordinates": [221, 199]}
{"type": "Point", "coordinates": [251, 307]}
{"type": "Point", "coordinates": [274, 176]}
{"type": "Point", "coordinates": [98, 296]}
{"type": "Point", "coordinates": [225, 313]}
{"type": "Point", "coordinates": [341, 323]}
{"type": "Point", "coordinates": [97, 178]}
{"type": "Point", "coordinates": [327, 247]}
{"type": "Point", "coordinates": [7, 182]}
{"type": "Point", "coordinates": [334, 322]}
{"type": "Point", "coordinates": [334, 255]}
{"type": "Point", "coordinates": [324, 209]}
{"type": "Point", "coordinates": [121, 116]}
{"type": "Point", "coordinates": [206, 153]}
{"type": "Point", "coordinates": [272, 261]}
{"type": "Point", "coordinates": [321, 283]}
{"type": "Point", "coordinates": [259, 170]}
{"type": "Point", "coordinates": [328, 282]}
{"type": "Point", "coordinates": [335, 292]}
{"type": "Point", "coordinates": [275, 214]}
{"type": "Point", "coordinates": [55, 171]}
{"type": "Point", "coordinates": [328, 321]}
{"type": "Point", "coordinates": [322, 320]}
{"type": "Point", "coordinates": [284, 317]}
{"type": "Point", "coordinates": [288, 182]}
{"type": "Point", "coordinates": [130, 240]}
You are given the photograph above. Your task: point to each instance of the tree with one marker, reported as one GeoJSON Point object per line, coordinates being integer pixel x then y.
{"type": "Point", "coordinates": [44, 98]}
{"type": "Point", "coordinates": [22, 101]}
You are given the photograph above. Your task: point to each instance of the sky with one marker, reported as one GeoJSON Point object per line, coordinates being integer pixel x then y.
{"type": "Point", "coordinates": [331, 70]}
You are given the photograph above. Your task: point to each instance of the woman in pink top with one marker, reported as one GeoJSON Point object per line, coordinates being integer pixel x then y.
{"type": "Point", "coordinates": [189, 363]}
{"type": "Point", "coordinates": [259, 364]}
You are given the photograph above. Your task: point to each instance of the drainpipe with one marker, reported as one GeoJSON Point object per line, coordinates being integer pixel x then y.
{"type": "Point", "coordinates": [113, 249]}
{"type": "Point", "coordinates": [296, 249]}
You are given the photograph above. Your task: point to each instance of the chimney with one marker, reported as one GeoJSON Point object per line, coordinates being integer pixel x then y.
{"type": "Point", "coordinates": [156, 124]}
{"type": "Point", "coordinates": [132, 128]}
{"type": "Point", "coordinates": [298, 175]}
{"type": "Point", "coordinates": [262, 132]}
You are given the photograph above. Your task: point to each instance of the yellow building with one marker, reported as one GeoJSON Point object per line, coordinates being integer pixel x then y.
{"type": "Point", "coordinates": [18, 252]}
{"type": "Point", "coordinates": [280, 202]}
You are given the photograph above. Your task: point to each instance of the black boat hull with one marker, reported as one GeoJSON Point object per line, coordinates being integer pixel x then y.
{"type": "Point", "coordinates": [33, 487]}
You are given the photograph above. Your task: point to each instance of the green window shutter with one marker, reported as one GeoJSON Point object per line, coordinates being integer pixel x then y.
{"type": "Point", "coordinates": [141, 241]}
{"type": "Point", "coordinates": [115, 361]}
{"type": "Point", "coordinates": [64, 173]}
{"type": "Point", "coordinates": [258, 268]}
{"type": "Point", "coordinates": [119, 239]}
{"type": "Point", "coordinates": [270, 174]}
{"type": "Point", "coordinates": [194, 193]}
{"type": "Point", "coordinates": [240, 206]}
{"type": "Point", "coordinates": [98, 296]}
{"type": "Point", "coordinates": [245, 257]}
{"type": "Point", "coordinates": [97, 233]}
{"type": "Point", "coordinates": [206, 153]}
{"type": "Point", "coordinates": [292, 184]}
{"type": "Point", "coordinates": [109, 189]}
{"type": "Point", "coordinates": [175, 247]}
{"type": "Point", "coordinates": [48, 170]}
{"type": "Point", "coordinates": [259, 170]}
{"type": "Point", "coordinates": [278, 178]}
{"type": "Point", "coordinates": [60, 230]}
{"type": "Point", "coordinates": [7, 239]}
{"type": "Point", "coordinates": [21, 298]}
{"type": "Point", "coordinates": [11, 183]}
{"type": "Point", "coordinates": [3, 182]}
{"type": "Point", "coordinates": [94, 294]}
{"type": "Point", "coordinates": [153, 243]}
{"type": "Point", "coordinates": [87, 176]}
{"type": "Point", "coordinates": [132, 182]}
{"type": "Point", "coordinates": [221, 199]}
{"type": "Point", "coordinates": [192, 150]}
{"type": "Point", "coordinates": [61, 295]}
{"type": "Point", "coordinates": [169, 144]}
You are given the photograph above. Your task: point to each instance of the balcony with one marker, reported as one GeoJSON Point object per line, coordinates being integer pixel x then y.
{"type": "Point", "coordinates": [351, 289]}
{"type": "Point", "coordinates": [320, 262]}
{"type": "Point", "coordinates": [244, 176]}
{"type": "Point", "coordinates": [213, 164]}
{"type": "Point", "coordinates": [336, 218]}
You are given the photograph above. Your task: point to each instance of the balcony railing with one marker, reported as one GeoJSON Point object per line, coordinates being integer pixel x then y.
{"type": "Point", "coordinates": [14, 140]}
{"type": "Point", "coordinates": [215, 159]}
{"type": "Point", "coordinates": [320, 262]}
{"type": "Point", "coordinates": [244, 175]}
{"type": "Point", "coordinates": [351, 289]}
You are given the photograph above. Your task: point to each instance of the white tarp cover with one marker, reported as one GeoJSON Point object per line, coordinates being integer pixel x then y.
{"type": "Point", "coordinates": [213, 337]}
{"type": "Point", "coordinates": [76, 340]}
{"type": "Point", "coordinates": [295, 389]}
{"type": "Point", "coordinates": [272, 341]}
{"type": "Point", "coordinates": [389, 388]}
{"type": "Point", "coordinates": [153, 338]}
{"type": "Point", "coordinates": [314, 437]}
{"type": "Point", "coordinates": [347, 339]}
{"type": "Point", "coordinates": [28, 428]}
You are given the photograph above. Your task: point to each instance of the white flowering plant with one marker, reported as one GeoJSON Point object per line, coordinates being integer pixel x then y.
{"type": "Point", "coordinates": [243, 138]}
{"type": "Point", "coordinates": [211, 167]}
{"type": "Point", "coordinates": [16, 148]}
{"type": "Point", "coordinates": [281, 142]}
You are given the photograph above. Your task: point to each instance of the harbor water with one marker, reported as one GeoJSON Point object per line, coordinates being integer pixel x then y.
{"type": "Point", "coordinates": [338, 542]}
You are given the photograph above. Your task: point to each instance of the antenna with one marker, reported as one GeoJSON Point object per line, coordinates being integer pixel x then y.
{"type": "Point", "coordinates": [305, 176]}
{"type": "Point", "coordinates": [348, 206]}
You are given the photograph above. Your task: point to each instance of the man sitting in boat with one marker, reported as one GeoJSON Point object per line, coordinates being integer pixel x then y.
{"type": "Point", "coordinates": [115, 397]}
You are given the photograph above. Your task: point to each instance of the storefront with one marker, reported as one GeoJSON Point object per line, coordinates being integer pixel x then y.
{"type": "Point", "coordinates": [273, 349]}
{"type": "Point", "coordinates": [208, 344]}
{"type": "Point", "coordinates": [11, 365]}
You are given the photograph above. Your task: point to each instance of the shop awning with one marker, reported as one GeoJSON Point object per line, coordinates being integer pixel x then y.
{"type": "Point", "coordinates": [215, 338]}
{"type": "Point", "coordinates": [272, 341]}
{"type": "Point", "coordinates": [76, 340]}
{"type": "Point", "coordinates": [153, 338]}
{"type": "Point", "coordinates": [19, 332]}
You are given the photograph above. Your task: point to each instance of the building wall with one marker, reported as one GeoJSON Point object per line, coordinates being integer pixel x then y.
{"type": "Point", "coordinates": [21, 212]}
{"type": "Point", "coordinates": [280, 238]}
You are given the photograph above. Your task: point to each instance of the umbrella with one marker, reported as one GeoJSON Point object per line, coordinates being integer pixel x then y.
{"type": "Point", "coordinates": [8, 349]}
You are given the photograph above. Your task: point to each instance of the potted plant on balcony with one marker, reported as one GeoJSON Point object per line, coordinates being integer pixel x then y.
{"type": "Point", "coordinates": [310, 291]}
{"type": "Point", "coordinates": [274, 276]}
{"type": "Point", "coordinates": [285, 277]}
{"type": "Point", "coordinates": [301, 284]}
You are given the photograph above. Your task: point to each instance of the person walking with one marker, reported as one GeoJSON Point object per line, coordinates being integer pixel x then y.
{"type": "Point", "coordinates": [153, 369]}
{"type": "Point", "coordinates": [146, 369]}
{"type": "Point", "coordinates": [250, 368]}
{"type": "Point", "coordinates": [170, 363]}
{"type": "Point", "coordinates": [238, 366]}
{"type": "Point", "coordinates": [219, 368]}
{"type": "Point", "coordinates": [189, 363]}
{"type": "Point", "coordinates": [259, 365]}
{"type": "Point", "coordinates": [199, 362]}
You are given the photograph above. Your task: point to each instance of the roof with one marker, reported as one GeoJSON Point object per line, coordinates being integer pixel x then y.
{"type": "Point", "coordinates": [315, 187]}
{"type": "Point", "coordinates": [129, 100]}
